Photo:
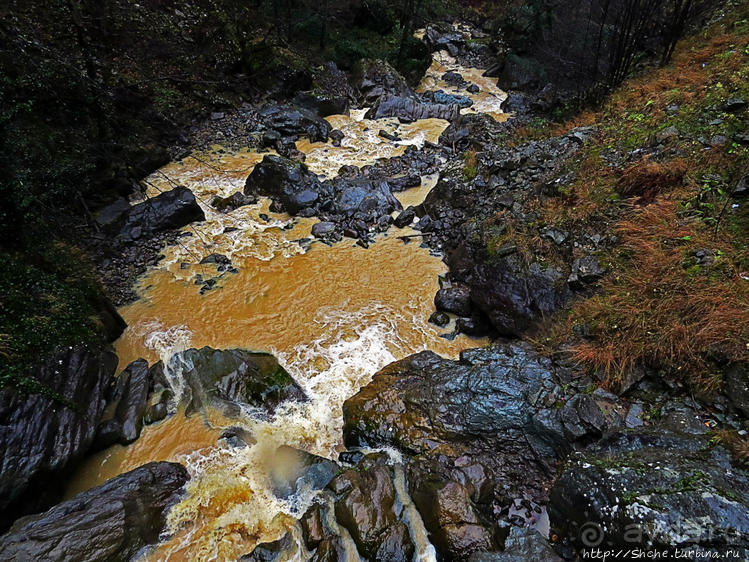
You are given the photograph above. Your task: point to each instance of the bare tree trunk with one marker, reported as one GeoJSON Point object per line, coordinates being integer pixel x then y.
{"type": "Point", "coordinates": [406, 20]}
{"type": "Point", "coordinates": [679, 18]}
{"type": "Point", "coordinates": [90, 67]}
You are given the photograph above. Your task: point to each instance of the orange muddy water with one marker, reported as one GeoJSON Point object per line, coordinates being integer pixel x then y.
{"type": "Point", "coordinates": [333, 315]}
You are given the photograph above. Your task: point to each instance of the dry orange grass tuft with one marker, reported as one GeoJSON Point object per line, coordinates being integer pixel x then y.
{"type": "Point", "coordinates": [661, 309]}
{"type": "Point", "coordinates": [737, 444]}
{"type": "Point", "coordinates": [645, 179]}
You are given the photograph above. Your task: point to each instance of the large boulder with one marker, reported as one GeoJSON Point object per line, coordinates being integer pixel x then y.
{"type": "Point", "coordinates": [653, 489]}
{"type": "Point", "coordinates": [408, 110]}
{"type": "Point", "coordinates": [485, 406]}
{"type": "Point", "coordinates": [521, 545]}
{"type": "Point", "coordinates": [374, 78]}
{"type": "Point", "coordinates": [233, 379]}
{"type": "Point", "coordinates": [438, 38]}
{"type": "Point", "coordinates": [513, 295]}
{"type": "Point", "coordinates": [42, 436]}
{"type": "Point", "coordinates": [447, 99]}
{"type": "Point", "coordinates": [127, 407]}
{"type": "Point", "coordinates": [287, 182]}
{"type": "Point", "coordinates": [363, 503]}
{"type": "Point", "coordinates": [289, 120]}
{"type": "Point", "coordinates": [322, 104]}
{"type": "Point", "coordinates": [169, 210]}
{"type": "Point", "coordinates": [331, 93]}
{"type": "Point", "coordinates": [477, 435]}
{"type": "Point", "coordinates": [476, 131]}
{"type": "Point", "coordinates": [111, 522]}
{"type": "Point", "coordinates": [370, 199]}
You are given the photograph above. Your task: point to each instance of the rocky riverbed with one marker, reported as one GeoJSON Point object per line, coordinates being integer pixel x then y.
{"type": "Point", "coordinates": [304, 378]}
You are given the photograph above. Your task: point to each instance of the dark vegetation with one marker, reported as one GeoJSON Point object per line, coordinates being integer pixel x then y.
{"type": "Point", "coordinates": [583, 49]}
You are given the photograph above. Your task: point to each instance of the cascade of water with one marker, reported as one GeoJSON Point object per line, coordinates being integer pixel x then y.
{"type": "Point", "coordinates": [333, 316]}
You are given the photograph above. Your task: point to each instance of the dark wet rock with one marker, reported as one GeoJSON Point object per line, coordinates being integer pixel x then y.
{"type": "Point", "coordinates": [514, 296]}
{"type": "Point", "coordinates": [155, 413]}
{"type": "Point", "coordinates": [366, 198]}
{"type": "Point", "coordinates": [237, 437]}
{"type": "Point", "coordinates": [483, 406]}
{"type": "Point", "coordinates": [364, 506]}
{"type": "Point", "coordinates": [294, 470]}
{"type": "Point", "coordinates": [737, 387]}
{"type": "Point", "coordinates": [454, 527]}
{"type": "Point", "coordinates": [391, 137]}
{"type": "Point", "coordinates": [475, 433]}
{"type": "Point", "coordinates": [111, 522]}
{"type": "Point", "coordinates": [313, 528]}
{"type": "Point", "coordinates": [585, 271]}
{"type": "Point", "coordinates": [475, 325]}
{"type": "Point", "coordinates": [734, 104]}
{"type": "Point", "coordinates": [127, 406]}
{"type": "Point", "coordinates": [439, 38]}
{"type": "Point", "coordinates": [219, 259]}
{"type": "Point", "coordinates": [475, 131]}
{"type": "Point", "coordinates": [374, 78]}
{"type": "Point", "coordinates": [322, 104]}
{"type": "Point", "coordinates": [289, 120]}
{"type": "Point", "coordinates": [41, 438]}
{"type": "Point", "coordinates": [405, 218]}
{"type": "Point", "coordinates": [396, 545]}
{"type": "Point", "coordinates": [425, 224]}
{"type": "Point", "coordinates": [230, 378]}
{"type": "Point", "coordinates": [330, 92]}
{"type": "Point", "coordinates": [443, 98]}
{"type": "Point", "coordinates": [169, 210]}
{"type": "Point", "coordinates": [233, 201]}
{"type": "Point", "coordinates": [473, 88]}
{"type": "Point", "coordinates": [323, 229]}
{"type": "Point", "coordinates": [330, 550]}
{"type": "Point", "coordinates": [453, 78]}
{"type": "Point", "coordinates": [289, 183]}
{"type": "Point", "coordinates": [522, 544]}
{"type": "Point", "coordinates": [268, 551]}
{"type": "Point", "coordinates": [401, 183]}
{"type": "Point", "coordinates": [336, 137]}
{"type": "Point", "coordinates": [653, 488]}
{"type": "Point", "coordinates": [408, 110]}
{"type": "Point", "coordinates": [439, 319]}
{"type": "Point", "coordinates": [455, 299]}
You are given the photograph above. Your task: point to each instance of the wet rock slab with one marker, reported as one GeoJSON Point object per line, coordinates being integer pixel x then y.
{"type": "Point", "coordinates": [654, 488]}
{"type": "Point", "coordinates": [111, 522]}
{"type": "Point", "coordinates": [169, 210]}
{"type": "Point", "coordinates": [42, 437]}
{"type": "Point", "coordinates": [408, 110]}
{"type": "Point", "coordinates": [475, 433]}
{"type": "Point", "coordinates": [232, 379]}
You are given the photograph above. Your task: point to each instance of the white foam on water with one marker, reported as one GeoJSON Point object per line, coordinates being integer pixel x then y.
{"type": "Point", "coordinates": [350, 349]}
{"type": "Point", "coordinates": [167, 342]}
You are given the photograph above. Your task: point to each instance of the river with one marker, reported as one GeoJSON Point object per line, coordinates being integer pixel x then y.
{"type": "Point", "coordinates": [333, 315]}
